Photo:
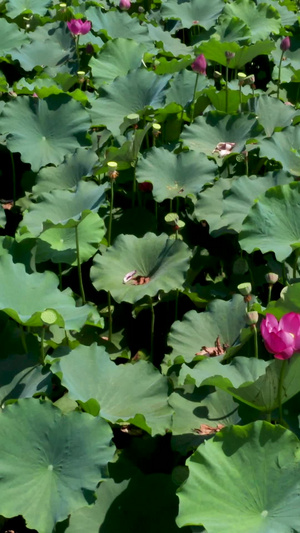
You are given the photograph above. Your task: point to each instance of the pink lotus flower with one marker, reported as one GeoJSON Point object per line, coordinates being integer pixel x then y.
{"type": "Point", "coordinates": [285, 44]}
{"type": "Point", "coordinates": [199, 65]}
{"type": "Point", "coordinates": [78, 27]}
{"type": "Point", "coordinates": [125, 4]}
{"type": "Point", "coordinates": [281, 338]}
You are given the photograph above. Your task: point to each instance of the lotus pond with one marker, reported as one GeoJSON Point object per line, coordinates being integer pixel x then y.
{"type": "Point", "coordinates": [149, 266]}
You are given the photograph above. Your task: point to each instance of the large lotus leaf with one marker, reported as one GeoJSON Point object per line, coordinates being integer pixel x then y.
{"type": "Point", "coordinates": [288, 302]}
{"type": "Point", "coordinates": [222, 320]}
{"type": "Point", "coordinates": [52, 46]}
{"type": "Point", "coordinates": [253, 381]}
{"type": "Point", "coordinates": [115, 25]}
{"type": "Point", "coordinates": [58, 458]}
{"type": "Point", "coordinates": [206, 132]}
{"type": "Point", "coordinates": [129, 94]}
{"type": "Point", "coordinates": [273, 222]}
{"type": "Point", "coordinates": [175, 175]}
{"type": "Point", "coordinates": [165, 261]}
{"type": "Point", "coordinates": [11, 37]}
{"type": "Point", "coordinates": [16, 7]}
{"type": "Point", "coordinates": [262, 19]}
{"type": "Point", "coordinates": [44, 131]}
{"type": "Point", "coordinates": [240, 198]}
{"type": "Point", "coordinates": [202, 407]}
{"type": "Point", "coordinates": [129, 393]}
{"type": "Point", "coordinates": [24, 296]}
{"type": "Point", "coordinates": [190, 12]}
{"type": "Point", "coordinates": [284, 147]}
{"type": "Point", "coordinates": [116, 58]}
{"type": "Point", "coordinates": [59, 206]}
{"type": "Point", "coordinates": [22, 376]}
{"type": "Point", "coordinates": [273, 113]}
{"type": "Point", "coordinates": [68, 174]}
{"type": "Point", "coordinates": [210, 206]}
{"type": "Point", "coordinates": [288, 18]}
{"type": "Point", "coordinates": [117, 503]}
{"type": "Point", "coordinates": [182, 87]}
{"type": "Point", "coordinates": [230, 29]}
{"type": "Point", "coordinates": [163, 39]}
{"type": "Point", "coordinates": [58, 243]}
{"type": "Point", "coordinates": [244, 479]}
{"type": "Point", "coordinates": [214, 50]}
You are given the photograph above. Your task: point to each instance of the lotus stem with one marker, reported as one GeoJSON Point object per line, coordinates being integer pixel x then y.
{"type": "Point", "coordinates": [23, 339]}
{"type": "Point", "coordinates": [226, 95]}
{"type": "Point", "coordinates": [176, 304]}
{"type": "Point", "coordinates": [110, 211]}
{"type": "Point", "coordinates": [77, 50]}
{"type": "Point", "coordinates": [240, 95]}
{"type": "Point", "coordinates": [42, 345]}
{"type": "Point", "coordinates": [255, 341]}
{"type": "Point", "coordinates": [279, 73]}
{"type": "Point", "coordinates": [269, 293]}
{"type": "Point", "coordinates": [109, 316]}
{"type": "Point", "coordinates": [134, 188]}
{"type": "Point", "coordinates": [79, 266]}
{"type": "Point", "coordinates": [281, 376]}
{"type": "Point", "coordinates": [60, 276]}
{"type": "Point", "coordinates": [194, 97]}
{"type": "Point", "coordinates": [152, 328]}
{"type": "Point", "coordinates": [13, 175]}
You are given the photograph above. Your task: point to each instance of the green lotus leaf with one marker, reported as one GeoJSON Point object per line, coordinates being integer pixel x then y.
{"type": "Point", "coordinates": [117, 503]}
{"type": "Point", "coordinates": [214, 50]}
{"type": "Point", "coordinates": [222, 320]}
{"type": "Point", "coordinates": [52, 46]}
{"type": "Point", "coordinates": [230, 29]}
{"type": "Point", "coordinates": [165, 65]}
{"type": "Point", "coordinates": [189, 13]}
{"type": "Point", "coordinates": [244, 479]}
{"type": "Point", "coordinates": [182, 88]}
{"type": "Point", "coordinates": [240, 198]}
{"type": "Point", "coordinates": [208, 131]}
{"type": "Point", "coordinates": [44, 131]}
{"type": "Point", "coordinates": [288, 302]}
{"type": "Point", "coordinates": [11, 37]}
{"type": "Point", "coordinates": [59, 206]}
{"type": "Point", "coordinates": [68, 174]}
{"type": "Point", "coordinates": [130, 393]}
{"type": "Point", "coordinates": [58, 243]}
{"type": "Point", "coordinates": [22, 376]}
{"type": "Point", "coordinates": [129, 94]}
{"type": "Point", "coordinates": [14, 8]}
{"type": "Point", "coordinates": [273, 113]}
{"type": "Point", "coordinates": [163, 39]}
{"type": "Point", "coordinates": [116, 58]}
{"type": "Point", "coordinates": [252, 381]}
{"type": "Point", "coordinates": [118, 25]}
{"type": "Point", "coordinates": [163, 260]}
{"type": "Point", "coordinates": [273, 222]}
{"type": "Point", "coordinates": [175, 175]}
{"type": "Point", "coordinates": [18, 298]}
{"type": "Point", "coordinates": [288, 18]}
{"type": "Point", "coordinates": [202, 407]}
{"type": "Point", "coordinates": [40, 448]}
{"type": "Point", "coordinates": [283, 147]}
{"type": "Point", "coordinates": [210, 205]}
{"type": "Point", "coordinates": [262, 19]}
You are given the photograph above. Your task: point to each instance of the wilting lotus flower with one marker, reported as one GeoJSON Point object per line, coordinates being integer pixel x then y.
{"type": "Point", "coordinates": [281, 338]}
{"type": "Point", "coordinates": [199, 65]}
{"type": "Point", "coordinates": [223, 148]}
{"type": "Point", "coordinates": [124, 5]}
{"type": "Point", "coordinates": [285, 44]}
{"type": "Point", "coordinates": [78, 27]}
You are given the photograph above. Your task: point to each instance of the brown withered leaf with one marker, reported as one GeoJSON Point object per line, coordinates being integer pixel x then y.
{"type": "Point", "coordinates": [217, 349]}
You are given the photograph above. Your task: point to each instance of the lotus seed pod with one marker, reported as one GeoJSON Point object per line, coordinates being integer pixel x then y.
{"type": "Point", "coordinates": [271, 278]}
{"type": "Point", "coordinates": [245, 288]}
{"type": "Point", "coordinates": [251, 318]}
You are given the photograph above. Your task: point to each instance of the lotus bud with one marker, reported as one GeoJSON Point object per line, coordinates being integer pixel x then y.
{"type": "Point", "coordinates": [271, 278]}
{"type": "Point", "coordinates": [229, 56]}
{"type": "Point", "coordinates": [251, 318]}
{"type": "Point", "coordinates": [199, 65]}
{"type": "Point", "coordinates": [285, 44]}
{"type": "Point", "coordinates": [245, 288]}
{"type": "Point", "coordinates": [125, 5]}
{"type": "Point", "coordinates": [141, 9]}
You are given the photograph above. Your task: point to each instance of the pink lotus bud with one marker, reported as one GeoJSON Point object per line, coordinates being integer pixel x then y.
{"type": "Point", "coordinates": [271, 278]}
{"type": "Point", "coordinates": [78, 27]}
{"type": "Point", "coordinates": [251, 318]}
{"type": "Point", "coordinates": [199, 65]}
{"type": "Point", "coordinates": [125, 5]}
{"type": "Point", "coordinates": [281, 338]}
{"type": "Point", "coordinates": [285, 44]}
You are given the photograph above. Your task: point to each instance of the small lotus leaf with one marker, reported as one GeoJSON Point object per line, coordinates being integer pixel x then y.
{"type": "Point", "coordinates": [163, 260]}
{"type": "Point", "coordinates": [245, 479]}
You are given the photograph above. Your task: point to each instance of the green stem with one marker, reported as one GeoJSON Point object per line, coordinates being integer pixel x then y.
{"type": "Point", "coordinates": [42, 345]}
{"type": "Point", "coordinates": [176, 304]}
{"type": "Point", "coordinates": [226, 96]}
{"type": "Point", "coordinates": [284, 282]}
{"type": "Point", "coordinates": [77, 50]}
{"type": "Point", "coordinates": [255, 341]}
{"type": "Point", "coordinates": [281, 376]}
{"type": "Point", "coordinates": [60, 276]}
{"type": "Point", "coordinates": [171, 206]}
{"type": "Point", "coordinates": [269, 293]}
{"type": "Point", "coordinates": [279, 73]}
{"type": "Point", "coordinates": [268, 417]}
{"type": "Point", "coordinates": [295, 265]}
{"type": "Point", "coordinates": [23, 339]}
{"type": "Point", "coordinates": [152, 328]}
{"type": "Point", "coordinates": [79, 266]}
{"type": "Point", "coordinates": [194, 98]}
{"type": "Point", "coordinates": [240, 95]}
{"type": "Point", "coordinates": [110, 210]}
{"type": "Point", "coordinates": [13, 176]}
{"type": "Point", "coordinates": [133, 188]}
{"type": "Point", "coordinates": [109, 317]}
{"type": "Point", "coordinates": [156, 212]}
